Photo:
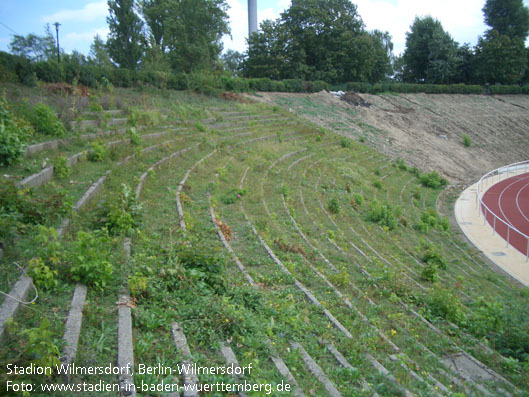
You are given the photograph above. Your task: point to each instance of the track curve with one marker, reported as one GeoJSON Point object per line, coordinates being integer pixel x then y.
{"type": "Point", "coordinates": [509, 201]}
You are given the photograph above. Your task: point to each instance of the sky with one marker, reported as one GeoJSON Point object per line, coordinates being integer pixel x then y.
{"type": "Point", "coordinates": [81, 20]}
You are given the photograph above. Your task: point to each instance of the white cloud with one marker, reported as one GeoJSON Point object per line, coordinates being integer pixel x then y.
{"type": "Point", "coordinates": [90, 12]}
{"type": "Point", "coordinates": [82, 41]}
{"type": "Point", "coordinates": [463, 19]}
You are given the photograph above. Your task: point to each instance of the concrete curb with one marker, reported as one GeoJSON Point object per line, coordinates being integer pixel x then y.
{"type": "Point", "coordinates": [10, 306]}
{"type": "Point", "coordinates": [73, 324]}
{"type": "Point", "coordinates": [180, 341]}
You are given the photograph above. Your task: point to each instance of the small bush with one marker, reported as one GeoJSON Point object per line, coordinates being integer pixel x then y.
{"type": "Point", "coordinates": [357, 201]}
{"type": "Point", "coordinates": [466, 140]}
{"type": "Point", "coordinates": [45, 121]}
{"type": "Point", "coordinates": [124, 214]}
{"type": "Point", "coordinates": [378, 184]}
{"type": "Point", "coordinates": [433, 180]}
{"type": "Point", "coordinates": [42, 275]}
{"type": "Point", "coordinates": [334, 205]}
{"type": "Point", "coordinates": [98, 152]}
{"type": "Point", "coordinates": [60, 167]}
{"type": "Point", "coordinates": [134, 136]}
{"type": "Point", "coordinates": [345, 143]}
{"type": "Point", "coordinates": [137, 285]}
{"type": "Point", "coordinates": [13, 133]}
{"type": "Point", "coordinates": [444, 303]}
{"type": "Point", "coordinates": [429, 273]}
{"type": "Point", "coordinates": [383, 214]}
{"type": "Point", "coordinates": [90, 260]}
{"type": "Point", "coordinates": [401, 165]}
{"type": "Point", "coordinates": [232, 196]}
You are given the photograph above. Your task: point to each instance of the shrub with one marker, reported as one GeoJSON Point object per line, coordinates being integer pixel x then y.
{"type": "Point", "coordinates": [334, 205]}
{"type": "Point", "coordinates": [401, 165]}
{"type": "Point", "coordinates": [137, 285]}
{"type": "Point", "coordinates": [124, 214]}
{"type": "Point", "coordinates": [378, 184]}
{"type": "Point", "coordinates": [232, 196]}
{"type": "Point", "coordinates": [431, 256]}
{"type": "Point", "coordinates": [433, 180]}
{"type": "Point", "coordinates": [13, 133]}
{"type": "Point", "coordinates": [134, 136]}
{"type": "Point", "coordinates": [358, 200]}
{"type": "Point", "coordinates": [429, 273]}
{"type": "Point", "coordinates": [345, 142]}
{"type": "Point", "coordinates": [60, 167]}
{"type": "Point", "coordinates": [89, 257]}
{"type": "Point", "coordinates": [97, 152]}
{"type": "Point", "coordinates": [45, 121]}
{"type": "Point", "coordinates": [383, 215]}
{"type": "Point", "coordinates": [444, 303]}
{"type": "Point", "coordinates": [42, 275]}
{"type": "Point", "coordinates": [466, 140]}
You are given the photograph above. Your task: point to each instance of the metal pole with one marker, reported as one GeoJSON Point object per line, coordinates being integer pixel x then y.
{"type": "Point", "coordinates": [494, 226]}
{"type": "Point", "coordinates": [252, 16]}
{"type": "Point", "coordinates": [508, 230]}
{"type": "Point", "coordinates": [527, 256]}
{"type": "Point", "coordinates": [57, 24]}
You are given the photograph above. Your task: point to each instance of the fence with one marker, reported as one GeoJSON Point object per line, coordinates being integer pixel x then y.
{"type": "Point", "coordinates": [509, 233]}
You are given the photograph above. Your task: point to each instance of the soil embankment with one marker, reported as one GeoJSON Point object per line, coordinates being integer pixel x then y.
{"type": "Point", "coordinates": [425, 130]}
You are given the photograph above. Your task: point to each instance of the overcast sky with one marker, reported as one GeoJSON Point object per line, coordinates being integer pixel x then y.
{"type": "Point", "coordinates": [82, 19]}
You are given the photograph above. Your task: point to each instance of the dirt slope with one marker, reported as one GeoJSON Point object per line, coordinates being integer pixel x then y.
{"type": "Point", "coordinates": [426, 130]}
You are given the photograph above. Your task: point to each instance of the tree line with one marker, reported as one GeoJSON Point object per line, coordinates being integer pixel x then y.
{"type": "Point", "coordinates": [312, 40]}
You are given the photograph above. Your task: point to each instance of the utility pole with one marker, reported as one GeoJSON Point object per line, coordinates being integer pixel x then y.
{"type": "Point", "coordinates": [57, 24]}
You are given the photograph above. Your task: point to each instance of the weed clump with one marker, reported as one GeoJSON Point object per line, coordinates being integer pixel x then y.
{"type": "Point", "coordinates": [431, 219]}
{"type": "Point", "coordinates": [433, 180]}
{"type": "Point", "coordinates": [383, 214]}
{"type": "Point", "coordinates": [232, 196]}
{"type": "Point", "coordinates": [60, 167]}
{"type": "Point", "coordinates": [97, 153]}
{"type": "Point", "coordinates": [45, 121]}
{"type": "Point", "coordinates": [13, 135]}
{"type": "Point", "coordinates": [466, 140]}
{"type": "Point", "coordinates": [134, 136]}
{"type": "Point", "coordinates": [346, 143]}
{"type": "Point", "coordinates": [334, 205]}
{"type": "Point", "coordinates": [124, 214]}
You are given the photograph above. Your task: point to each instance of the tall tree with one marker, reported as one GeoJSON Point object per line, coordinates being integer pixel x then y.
{"type": "Point", "coordinates": [188, 31]}
{"type": "Point", "coordinates": [125, 40]}
{"type": "Point", "coordinates": [507, 17]}
{"type": "Point", "coordinates": [500, 59]}
{"type": "Point", "coordinates": [430, 54]}
{"type": "Point", "coordinates": [33, 47]}
{"type": "Point", "coordinates": [98, 53]}
{"type": "Point", "coordinates": [319, 40]}
{"type": "Point", "coordinates": [232, 61]}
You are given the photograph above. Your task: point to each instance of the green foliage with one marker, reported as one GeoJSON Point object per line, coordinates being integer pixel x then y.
{"type": "Point", "coordinates": [429, 273]}
{"type": "Point", "coordinates": [466, 140]}
{"type": "Point", "coordinates": [97, 152]}
{"type": "Point", "coordinates": [433, 180]}
{"type": "Point", "coordinates": [200, 127]}
{"type": "Point", "coordinates": [11, 142]}
{"type": "Point", "coordinates": [39, 345]}
{"type": "Point", "coordinates": [401, 165]}
{"type": "Point", "coordinates": [20, 208]}
{"type": "Point", "coordinates": [138, 285]}
{"type": "Point", "coordinates": [89, 256]}
{"type": "Point", "coordinates": [318, 27]}
{"type": "Point", "coordinates": [383, 214]}
{"type": "Point", "coordinates": [124, 215]}
{"type": "Point", "coordinates": [60, 167]}
{"type": "Point", "coordinates": [431, 256]}
{"type": "Point", "coordinates": [445, 304]}
{"type": "Point", "coordinates": [500, 59]}
{"type": "Point", "coordinates": [125, 39]}
{"type": "Point", "coordinates": [357, 201]}
{"type": "Point", "coordinates": [134, 136]}
{"type": "Point", "coordinates": [279, 136]}
{"type": "Point", "coordinates": [42, 275]}
{"type": "Point", "coordinates": [431, 219]}
{"type": "Point", "coordinates": [346, 143]}
{"type": "Point", "coordinates": [203, 267]}
{"type": "Point", "coordinates": [232, 196]}
{"type": "Point", "coordinates": [334, 205]}
{"type": "Point", "coordinates": [431, 54]}
{"type": "Point", "coordinates": [509, 18]}
{"type": "Point", "coordinates": [378, 184]}
{"type": "Point", "coordinates": [45, 121]}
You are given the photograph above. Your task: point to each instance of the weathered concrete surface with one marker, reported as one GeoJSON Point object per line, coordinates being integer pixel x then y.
{"type": "Point", "coordinates": [73, 324]}
{"type": "Point", "coordinates": [11, 306]}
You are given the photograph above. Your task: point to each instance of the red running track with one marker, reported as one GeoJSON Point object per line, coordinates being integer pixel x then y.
{"type": "Point", "coordinates": [509, 200]}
